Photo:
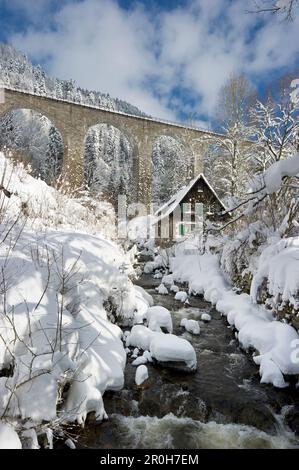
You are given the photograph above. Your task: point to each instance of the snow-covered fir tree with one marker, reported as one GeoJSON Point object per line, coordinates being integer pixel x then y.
{"type": "Point", "coordinates": [54, 156]}
{"type": "Point", "coordinates": [171, 168]}
{"type": "Point", "coordinates": [108, 163]}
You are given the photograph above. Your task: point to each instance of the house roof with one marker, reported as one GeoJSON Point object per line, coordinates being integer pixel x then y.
{"type": "Point", "coordinates": [167, 208]}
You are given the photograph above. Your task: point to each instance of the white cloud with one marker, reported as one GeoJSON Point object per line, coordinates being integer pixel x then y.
{"type": "Point", "coordinates": [143, 58]}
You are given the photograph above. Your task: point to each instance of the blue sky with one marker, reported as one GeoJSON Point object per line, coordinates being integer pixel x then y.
{"type": "Point", "coordinates": [169, 57]}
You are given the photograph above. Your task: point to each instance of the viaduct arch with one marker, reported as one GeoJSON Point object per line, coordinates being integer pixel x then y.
{"type": "Point", "coordinates": [73, 121]}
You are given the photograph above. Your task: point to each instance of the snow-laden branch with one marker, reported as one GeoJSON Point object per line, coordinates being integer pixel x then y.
{"type": "Point", "coordinates": [274, 175]}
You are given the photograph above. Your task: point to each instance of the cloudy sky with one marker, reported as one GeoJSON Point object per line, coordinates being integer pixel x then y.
{"type": "Point", "coordinates": [169, 57]}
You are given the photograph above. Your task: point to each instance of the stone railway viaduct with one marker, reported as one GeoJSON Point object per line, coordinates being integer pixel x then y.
{"type": "Point", "coordinates": [73, 121]}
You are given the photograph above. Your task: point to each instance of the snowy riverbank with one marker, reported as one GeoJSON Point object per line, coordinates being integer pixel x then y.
{"type": "Point", "coordinates": [276, 343]}
{"type": "Point", "coordinates": [62, 286]}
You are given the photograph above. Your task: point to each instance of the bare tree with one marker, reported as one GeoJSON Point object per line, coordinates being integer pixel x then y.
{"type": "Point", "coordinates": [235, 98]}
{"type": "Point", "coordinates": [227, 163]}
{"type": "Point", "coordinates": [285, 8]}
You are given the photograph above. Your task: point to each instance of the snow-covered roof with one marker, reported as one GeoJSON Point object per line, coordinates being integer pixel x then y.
{"type": "Point", "coordinates": [169, 206]}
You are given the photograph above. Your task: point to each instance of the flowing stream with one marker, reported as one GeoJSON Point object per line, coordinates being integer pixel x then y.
{"type": "Point", "coordinates": [221, 405]}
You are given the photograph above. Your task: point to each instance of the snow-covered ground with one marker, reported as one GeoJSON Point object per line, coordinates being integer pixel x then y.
{"type": "Point", "coordinates": [44, 207]}
{"type": "Point", "coordinates": [54, 328]}
{"type": "Point", "coordinates": [62, 287]}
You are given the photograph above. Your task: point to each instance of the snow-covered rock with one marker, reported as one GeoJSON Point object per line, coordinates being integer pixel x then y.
{"type": "Point", "coordinates": [158, 275]}
{"type": "Point", "coordinates": [182, 296]}
{"type": "Point", "coordinates": [135, 352]}
{"type": "Point", "coordinates": [174, 288]}
{"type": "Point", "coordinates": [161, 289]}
{"type": "Point", "coordinates": [167, 280]}
{"type": "Point", "coordinates": [159, 317]}
{"type": "Point", "coordinates": [192, 326]}
{"type": "Point", "coordinates": [143, 300]}
{"type": "Point", "coordinates": [162, 346]}
{"type": "Point", "coordinates": [141, 337]}
{"type": "Point", "coordinates": [206, 317]}
{"type": "Point", "coordinates": [270, 372]}
{"type": "Point", "coordinates": [149, 267]}
{"type": "Point", "coordinates": [146, 357]}
{"type": "Point", "coordinates": [170, 348]}
{"type": "Point", "coordinates": [141, 375]}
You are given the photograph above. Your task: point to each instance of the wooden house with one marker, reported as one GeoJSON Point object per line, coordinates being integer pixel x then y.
{"type": "Point", "coordinates": [185, 212]}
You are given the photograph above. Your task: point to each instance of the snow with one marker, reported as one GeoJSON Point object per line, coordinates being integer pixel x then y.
{"type": "Point", "coordinates": [135, 352]}
{"type": "Point", "coordinates": [162, 346]}
{"type": "Point", "coordinates": [174, 288]}
{"type": "Point", "coordinates": [91, 348]}
{"type": "Point", "coordinates": [167, 280]}
{"type": "Point", "coordinates": [141, 337]}
{"type": "Point", "coordinates": [143, 301]}
{"type": "Point", "coordinates": [139, 228]}
{"type": "Point", "coordinates": [158, 275]}
{"type": "Point", "coordinates": [192, 326]}
{"type": "Point", "coordinates": [146, 357]}
{"type": "Point", "coordinates": [295, 92]}
{"type": "Point", "coordinates": [30, 440]}
{"type": "Point", "coordinates": [278, 265]}
{"type": "Point", "coordinates": [159, 317]}
{"type": "Point", "coordinates": [181, 295]}
{"type": "Point", "coordinates": [141, 375]}
{"type": "Point", "coordinates": [257, 328]}
{"type": "Point", "coordinates": [9, 439]}
{"type": "Point", "coordinates": [206, 317]}
{"type": "Point", "coordinates": [47, 208]}
{"type": "Point", "coordinates": [64, 286]}
{"type": "Point", "coordinates": [149, 267]}
{"type": "Point", "coordinates": [172, 348]}
{"type": "Point", "coordinates": [275, 173]}
{"type": "Point", "coordinates": [161, 289]}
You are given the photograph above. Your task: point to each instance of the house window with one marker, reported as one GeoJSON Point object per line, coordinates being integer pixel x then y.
{"type": "Point", "coordinates": [199, 209]}
{"type": "Point", "coordinates": [184, 228]}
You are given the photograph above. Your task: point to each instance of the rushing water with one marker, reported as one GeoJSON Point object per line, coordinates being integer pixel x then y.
{"type": "Point", "coordinates": [222, 405]}
{"type": "Point", "coordinates": [171, 432]}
